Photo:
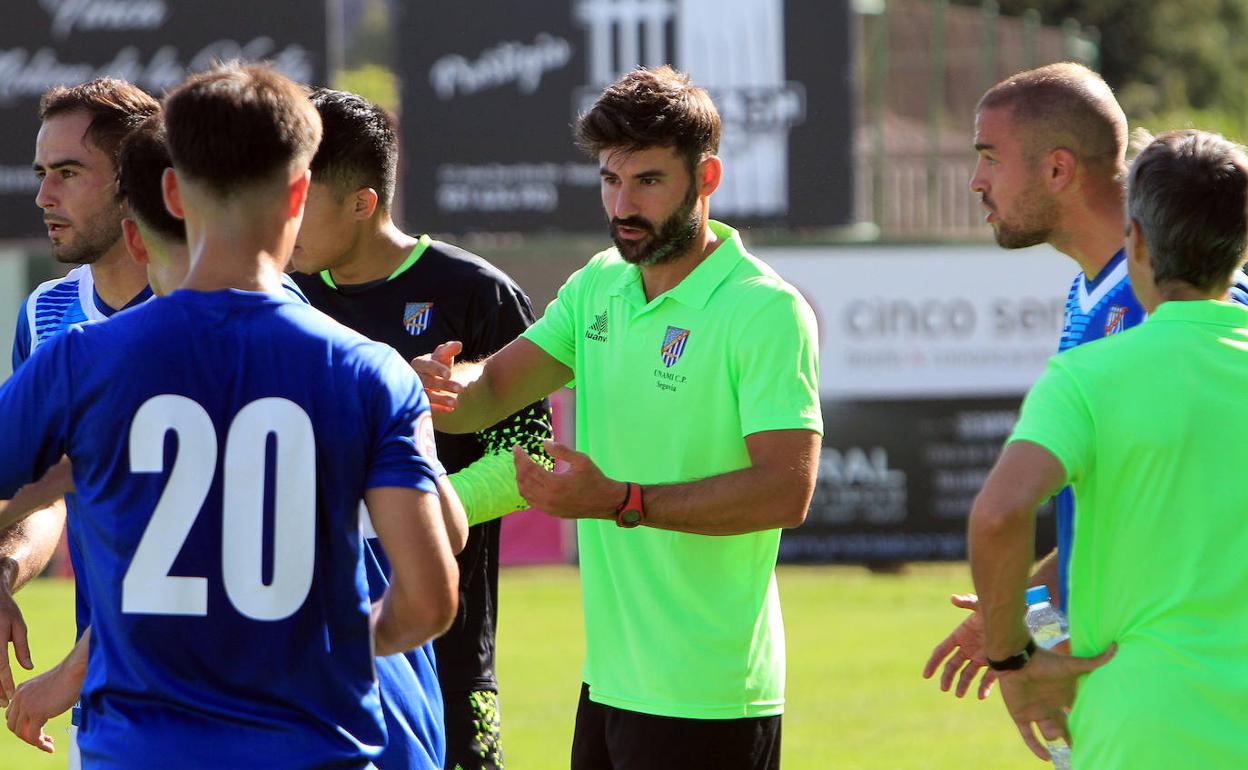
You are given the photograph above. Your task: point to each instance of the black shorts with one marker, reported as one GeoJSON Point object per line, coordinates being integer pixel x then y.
{"type": "Point", "coordinates": [608, 738]}
{"type": "Point", "coordinates": [473, 741]}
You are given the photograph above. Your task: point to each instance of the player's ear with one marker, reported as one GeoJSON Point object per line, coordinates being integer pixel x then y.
{"type": "Point", "coordinates": [1061, 169]}
{"type": "Point", "coordinates": [172, 194]}
{"type": "Point", "coordinates": [297, 194]}
{"type": "Point", "coordinates": [134, 241]}
{"type": "Point", "coordinates": [365, 206]}
{"type": "Point", "coordinates": [709, 173]}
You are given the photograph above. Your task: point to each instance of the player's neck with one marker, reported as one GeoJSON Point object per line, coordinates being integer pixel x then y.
{"type": "Point", "coordinates": [1091, 237]}
{"type": "Point", "coordinates": [118, 278]}
{"type": "Point", "coordinates": [377, 253]}
{"type": "Point", "coordinates": [657, 279]}
{"type": "Point", "coordinates": [239, 253]}
{"type": "Point", "coordinates": [1181, 291]}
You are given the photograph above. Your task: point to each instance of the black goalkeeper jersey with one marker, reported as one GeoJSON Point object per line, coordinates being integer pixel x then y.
{"type": "Point", "coordinates": [450, 294]}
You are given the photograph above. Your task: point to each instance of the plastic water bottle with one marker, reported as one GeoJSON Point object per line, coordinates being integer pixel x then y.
{"type": "Point", "coordinates": [1048, 627]}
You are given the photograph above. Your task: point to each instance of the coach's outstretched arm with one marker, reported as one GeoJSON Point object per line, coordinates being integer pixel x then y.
{"type": "Point", "coordinates": [774, 492]}
{"type": "Point", "coordinates": [424, 583]}
{"type": "Point", "coordinates": [467, 397]}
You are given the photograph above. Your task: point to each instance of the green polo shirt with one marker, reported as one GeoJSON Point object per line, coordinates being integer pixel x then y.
{"type": "Point", "coordinates": [1151, 427]}
{"type": "Point", "coordinates": [678, 624]}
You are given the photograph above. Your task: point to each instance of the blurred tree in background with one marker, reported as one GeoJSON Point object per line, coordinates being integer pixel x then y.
{"type": "Point", "coordinates": [1172, 63]}
{"type": "Point", "coordinates": [368, 53]}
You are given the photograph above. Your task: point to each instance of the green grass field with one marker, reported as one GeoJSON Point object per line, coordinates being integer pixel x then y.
{"type": "Point", "coordinates": [856, 644]}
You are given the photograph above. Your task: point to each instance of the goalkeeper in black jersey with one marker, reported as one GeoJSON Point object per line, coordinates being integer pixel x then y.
{"type": "Point", "coordinates": [413, 294]}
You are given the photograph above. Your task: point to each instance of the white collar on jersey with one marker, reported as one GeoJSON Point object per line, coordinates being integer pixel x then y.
{"type": "Point", "coordinates": [1107, 283]}
{"type": "Point", "coordinates": [86, 293]}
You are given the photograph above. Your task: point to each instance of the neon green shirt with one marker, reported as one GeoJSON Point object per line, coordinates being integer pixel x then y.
{"type": "Point", "coordinates": [1150, 425]}
{"type": "Point", "coordinates": [679, 624]}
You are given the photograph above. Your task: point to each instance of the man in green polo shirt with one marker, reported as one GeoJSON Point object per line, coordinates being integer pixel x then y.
{"type": "Point", "coordinates": [698, 429]}
{"type": "Point", "coordinates": [1148, 426]}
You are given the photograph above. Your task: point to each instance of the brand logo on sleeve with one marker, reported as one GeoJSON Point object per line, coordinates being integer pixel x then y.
{"type": "Point", "coordinates": [425, 443]}
{"type": "Point", "coordinates": [416, 317]}
{"type": "Point", "coordinates": [598, 330]}
{"type": "Point", "coordinates": [673, 345]}
{"type": "Point", "coordinates": [1114, 319]}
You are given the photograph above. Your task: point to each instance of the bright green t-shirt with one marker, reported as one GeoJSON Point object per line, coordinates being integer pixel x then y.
{"type": "Point", "coordinates": [1151, 426]}
{"type": "Point", "coordinates": [666, 391]}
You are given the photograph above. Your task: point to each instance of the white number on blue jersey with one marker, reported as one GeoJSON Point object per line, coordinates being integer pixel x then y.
{"type": "Point", "coordinates": [148, 588]}
{"type": "Point", "coordinates": [294, 520]}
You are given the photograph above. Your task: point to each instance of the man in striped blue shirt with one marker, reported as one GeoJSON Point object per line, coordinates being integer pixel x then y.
{"type": "Point", "coordinates": [1052, 155]}
{"type": "Point", "coordinates": [75, 161]}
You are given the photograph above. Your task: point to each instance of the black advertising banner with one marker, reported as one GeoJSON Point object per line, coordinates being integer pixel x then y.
{"type": "Point", "coordinates": [897, 480]}
{"type": "Point", "coordinates": [490, 96]}
{"type": "Point", "coordinates": [152, 43]}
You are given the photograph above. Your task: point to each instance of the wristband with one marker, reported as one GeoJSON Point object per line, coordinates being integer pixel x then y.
{"type": "Point", "coordinates": [1014, 662]}
{"type": "Point", "coordinates": [630, 513]}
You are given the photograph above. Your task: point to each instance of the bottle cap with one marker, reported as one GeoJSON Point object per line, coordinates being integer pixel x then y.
{"type": "Point", "coordinates": [1037, 594]}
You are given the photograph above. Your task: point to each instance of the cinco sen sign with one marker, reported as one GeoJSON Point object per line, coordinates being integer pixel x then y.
{"type": "Point", "coordinates": [152, 43]}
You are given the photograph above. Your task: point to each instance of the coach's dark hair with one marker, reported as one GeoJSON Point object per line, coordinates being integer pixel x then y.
{"type": "Point", "coordinates": [652, 108]}
{"type": "Point", "coordinates": [237, 125]}
{"type": "Point", "coordinates": [141, 161]}
{"type": "Point", "coordinates": [1188, 191]}
{"type": "Point", "coordinates": [1064, 105]}
{"type": "Point", "coordinates": [359, 145]}
{"type": "Point", "coordinates": [115, 106]}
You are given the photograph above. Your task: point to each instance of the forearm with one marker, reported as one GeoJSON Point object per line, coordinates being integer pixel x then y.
{"type": "Point", "coordinates": [27, 546]}
{"type": "Point", "coordinates": [488, 486]}
{"type": "Point", "coordinates": [75, 664]}
{"type": "Point", "coordinates": [422, 597]}
{"type": "Point", "coordinates": [453, 515]}
{"type": "Point", "coordinates": [748, 500]}
{"type": "Point", "coordinates": [39, 494]}
{"type": "Point", "coordinates": [1001, 543]}
{"type": "Point", "coordinates": [473, 405]}
{"type": "Point", "coordinates": [404, 622]}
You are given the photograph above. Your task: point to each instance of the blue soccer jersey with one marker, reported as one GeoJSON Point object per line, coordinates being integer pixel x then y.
{"type": "Point", "coordinates": [58, 304]}
{"type": "Point", "coordinates": [1095, 309]}
{"type": "Point", "coordinates": [219, 485]}
{"type": "Point", "coordinates": [50, 309]}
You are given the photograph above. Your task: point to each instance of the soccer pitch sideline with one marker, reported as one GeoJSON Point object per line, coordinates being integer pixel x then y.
{"type": "Point", "coordinates": [856, 645]}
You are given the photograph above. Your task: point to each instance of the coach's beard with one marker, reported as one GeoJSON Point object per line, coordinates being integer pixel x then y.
{"type": "Point", "coordinates": [671, 241]}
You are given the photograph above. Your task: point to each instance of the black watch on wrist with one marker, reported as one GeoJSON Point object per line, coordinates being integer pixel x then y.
{"type": "Point", "coordinates": [1014, 662]}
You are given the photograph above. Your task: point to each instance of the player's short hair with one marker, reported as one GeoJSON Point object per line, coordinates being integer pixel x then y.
{"type": "Point", "coordinates": [652, 108]}
{"type": "Point", "coordinates": [1064, 105]}
{"type": "Point", "coordinates": [1188, 191]}
{"type": "Point", "coordinates": [115, 106]}
{"type": "Point", "coordinates": [238, 125]}
{"type": "Point", "coordinates": [359, 145]}
{"type": "Point", "coordinates": [141, 161]}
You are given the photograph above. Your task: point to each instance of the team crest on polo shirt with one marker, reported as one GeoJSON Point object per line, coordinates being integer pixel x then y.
{"type": "Point", "coordinates": [1113, 320]}
{"type": "Point", "coordinates": [416, 317]}
{"type": "Point", "coordinates": [673, 345]}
